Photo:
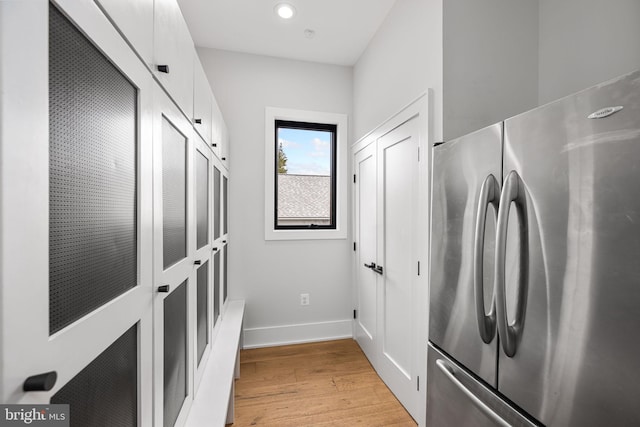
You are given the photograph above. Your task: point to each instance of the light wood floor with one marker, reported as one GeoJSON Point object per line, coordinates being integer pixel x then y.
{"type": "Point", "coordinates": [319, 384]}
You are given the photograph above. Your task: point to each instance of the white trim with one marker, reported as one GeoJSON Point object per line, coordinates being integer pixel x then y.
{"type": "Point", "coordinates": [271, 115]}
{"type": "Point", "coordinates": [297, 334]}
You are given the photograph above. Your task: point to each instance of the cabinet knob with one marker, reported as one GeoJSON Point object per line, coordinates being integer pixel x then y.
{"type": "Point", "coordinates": [214, 249]}
{"type": "Point", "coordinates": [214, 145]}
{"type": "Point", "coordinates": [224, 159]}
{"type": "Point", "coordinates": [197, 262]}
{"type": "Point", "coordinates": [224, 241]}
{"type": "Point", "coordinates": [163, 68]}
{"type": "Point", "coordinates": [165, 289]}
{"type": "Point", "coordinates": [40, 382]}
{"type": "Point", "coordinates": [197, 121]}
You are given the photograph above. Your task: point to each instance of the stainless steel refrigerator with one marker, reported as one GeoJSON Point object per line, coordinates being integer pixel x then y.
{"type": "Point", "coordinates": [535, 267]}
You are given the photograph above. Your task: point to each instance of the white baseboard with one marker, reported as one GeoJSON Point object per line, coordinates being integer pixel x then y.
{"type": "Point", "coordinates": [297, 334]}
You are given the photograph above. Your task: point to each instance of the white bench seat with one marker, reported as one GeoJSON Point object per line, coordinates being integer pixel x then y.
{"type": "Point", "coordinates": [213, 403]}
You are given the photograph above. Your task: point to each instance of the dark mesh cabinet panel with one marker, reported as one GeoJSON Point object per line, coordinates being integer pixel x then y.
{"type": "Point", "coordinates": [202, 199]}
{"type": "Point", "coordinates": [225, 260]}
{"type": "Point", "coordinates": [216, 203]}
{"type": "Point", "coordinates": [216, 286]}
{"type": "Point", "coordinates": [202, 309]}
{"type": "Point", "coordinates": [174, 194]}
{"type": "Point", "coordinates": [225, 200]}
{"type": "Point", "coordinates": [105, 393]}
{"type": "Point", "coordinates": [92, 177]}
{"type": "Point", "coordinates": [175, 353]}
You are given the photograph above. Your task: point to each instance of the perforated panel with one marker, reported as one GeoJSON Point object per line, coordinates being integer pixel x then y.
{"type": "Point", "coordinates": [175, 353]}
{"type": "Point", "coordinates": [225, 260]}
{"type": "Point", "coordinates": [202, 309]}
{"type": "Point", "coordinates": [106, 391]}
{"type": "Point", "coordinates": [216, 203]}
{"type": "Point", "coordinates": [225, 200]}
{"type": "Point", "coordinates": [174, 193]}
{"type": "Point", "coordinates": [202, 199]}
{"type": "Point", "coordinates": [92, 177]}
{"type": "Point", "coordinates": [216, 286]}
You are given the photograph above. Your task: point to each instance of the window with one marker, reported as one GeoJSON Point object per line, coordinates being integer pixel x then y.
{"type": "Point", "coordinates": [305, 175]}
{"type": "Point", "coordinates": [305, 185]}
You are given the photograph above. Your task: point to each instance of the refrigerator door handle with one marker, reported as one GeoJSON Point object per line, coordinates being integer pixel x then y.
{"type": "Point", "coordinates": [510, 334]}
{"type": "Point", "coordinates": [450, 374]}
{"type": "Point", "coordinates": [489, 194]}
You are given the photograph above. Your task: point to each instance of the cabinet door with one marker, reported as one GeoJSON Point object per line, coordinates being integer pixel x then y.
{"type": "Point", "coordinates": [224, 153]}
{"type": "Point", "coordinates": [216, 129]}
{"type": "Point", "coordinates": [174, 49]}
{"type": "Point", "coordinates": [76, 235]}
{"type": "Point", "coordinates": [202, 102]}
{"type": "Point", "coordinates": [204, 298]}
{"type": "Point", "coordinates": [135, 20]}
{"type": "Point", "coordinates": [175, 278]}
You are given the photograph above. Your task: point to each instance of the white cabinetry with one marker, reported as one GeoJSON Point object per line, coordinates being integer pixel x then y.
{"type": "Point", "coordinates": [81, 276]}
{"type": "Point", "coordinates": [173, 54]}
{"type": "Point", "coordinates": [134, 19]}
{"type": "Point", "coordinates": [202, 102]}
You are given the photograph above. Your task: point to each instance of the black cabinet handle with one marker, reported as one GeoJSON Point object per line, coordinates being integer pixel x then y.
{"type": "Point", "coordinates": [197, 121]}
{"type": "Point", "coordinates": [224, 241]}
{"type": "Point", "coordinates": [224, 159]}
{"type": "Point", "coordinates": [214, 249]}
{"type": "Point", "coordinates": [40, 382]}
{"type": "Point", "coordinates": [165, 289]}
{"type": "Point", "coordinates": [163, 68]}
{"type": "Point", "coordinates": [371, 266]}
{"type": "Point", "coordinates": [214, 145]}
{"type": "Point", "coordinates": [197, 262]}
{"type": "Point", "coordinates": [378, 269]}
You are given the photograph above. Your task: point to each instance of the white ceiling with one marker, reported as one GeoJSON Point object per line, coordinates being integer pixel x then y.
{"type": "Point", "coordinates": [343, 28]}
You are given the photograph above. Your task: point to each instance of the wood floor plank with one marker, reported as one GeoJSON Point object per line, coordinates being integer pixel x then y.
{"type": "Point", "coordinates": [319, 384]}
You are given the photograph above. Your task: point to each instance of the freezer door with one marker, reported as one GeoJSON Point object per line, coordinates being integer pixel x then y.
{"type": "Point", "coordinates": [577, 352]}
{"type": "Point", "coordinates": [466, 176]}
{"type": "Point", "coordinates": [455, 398]}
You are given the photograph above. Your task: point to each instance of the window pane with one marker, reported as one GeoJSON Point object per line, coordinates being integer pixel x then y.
{"type": "Point", "coordinates": [305, 184]}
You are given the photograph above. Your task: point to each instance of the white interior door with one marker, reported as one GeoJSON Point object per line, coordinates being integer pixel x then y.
{"type": "Point", "coordinates": [397, 255]}
{"type": "Point", "coordinates": [365, 235]}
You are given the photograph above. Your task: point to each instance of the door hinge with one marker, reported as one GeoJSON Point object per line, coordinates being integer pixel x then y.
{"type": "Point", "coordinates": [418, 268]}
{"type": "Point", "coordinates": [418, 385]}
{"type": "Point", "coordinates": [354, 246]}
{"type": "Point", "coordinates": [354, 178]}
{"type": "Point", "coordinates": [355, 314]}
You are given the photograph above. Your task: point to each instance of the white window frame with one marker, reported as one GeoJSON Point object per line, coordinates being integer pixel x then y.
{"type": "Point", "coordinates": [340, 120]}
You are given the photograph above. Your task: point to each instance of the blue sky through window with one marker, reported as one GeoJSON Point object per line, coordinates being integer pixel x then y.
{"type": "Point", "coordinates": [308, 151]}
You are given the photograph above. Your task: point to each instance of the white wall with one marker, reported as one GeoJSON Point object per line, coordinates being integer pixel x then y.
{"type": "Point", "coordinates": [270, 275]}
{"type": "Point", "coordinates": [402, 61]}
{"type": "Point", "coordinates": [490, 62]}
{"type": "Point", "coordinates": [585, 42]}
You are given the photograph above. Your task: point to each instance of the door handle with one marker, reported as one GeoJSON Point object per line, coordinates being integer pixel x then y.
{"type": "Point", "coordinates": [371, 266]}
{"type": "Point", "coordinates": [512, 192]}
{"type": "Point", "coordinates": [489, 194]}
{"type": "Point", "coordinates": [378, 269]}
{"type": "Point", "coordinates": [40, 382]}
{"type": "Point", "coordinates": [451, 376]}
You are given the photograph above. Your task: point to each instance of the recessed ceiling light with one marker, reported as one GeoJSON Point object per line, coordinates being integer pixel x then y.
{"type": "Point", "coordinates": [285, 10]}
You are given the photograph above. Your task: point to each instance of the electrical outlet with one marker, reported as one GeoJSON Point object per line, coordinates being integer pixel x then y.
{"type": "Point", "coordinates": [304, 299]}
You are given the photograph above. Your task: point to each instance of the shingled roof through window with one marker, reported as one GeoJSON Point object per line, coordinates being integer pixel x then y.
{"type": "Point", "coordinates": [304, 196]}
